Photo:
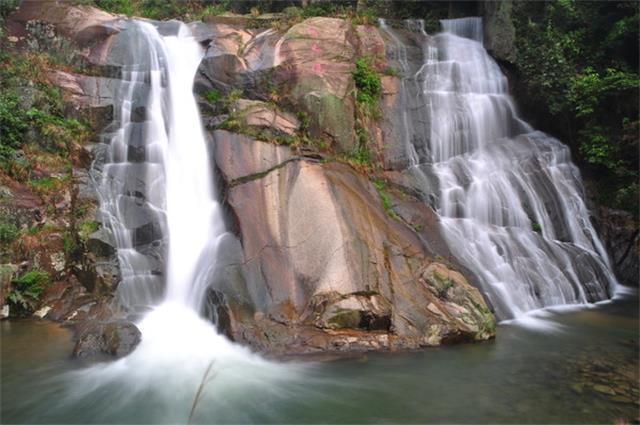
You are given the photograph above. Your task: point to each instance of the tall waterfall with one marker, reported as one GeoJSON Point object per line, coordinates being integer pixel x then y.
{"type": "Point", "coordinates": [158, 198]}
{"type": "Point", "coordinates": [511, 203]}
{"type": "Point", "coordinates": [157, 188]}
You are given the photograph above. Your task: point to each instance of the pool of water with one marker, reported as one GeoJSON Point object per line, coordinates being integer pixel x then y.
{"type": "Point", "coordinates": [567, 366]}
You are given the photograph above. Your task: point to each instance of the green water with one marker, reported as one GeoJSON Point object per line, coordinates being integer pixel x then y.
{"type": "Point", "coordinates": [582, 369]}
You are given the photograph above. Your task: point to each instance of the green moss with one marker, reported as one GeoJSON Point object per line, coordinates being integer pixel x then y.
{"type": "Point", "coordinates": [442, 284]}
{"type": "Point", "coordinates": [346, 319]}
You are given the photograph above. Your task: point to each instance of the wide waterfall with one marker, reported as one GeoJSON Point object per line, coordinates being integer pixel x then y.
{"type": "Point", "coordinates": [511, 203]}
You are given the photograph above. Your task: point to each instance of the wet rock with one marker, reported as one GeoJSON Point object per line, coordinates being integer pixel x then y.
{"type": "Point", "coordinates": [621, 236]}
{"type": "Point", "coordinates": [219, 72]}
{"type": "Point", "coordinates": [101, 243]}
{"type": "Point", "coordinates": [117, 339]}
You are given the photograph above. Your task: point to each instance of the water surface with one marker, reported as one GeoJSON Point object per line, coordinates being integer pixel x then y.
{"type": "Point", "coordinates": [582, 368]}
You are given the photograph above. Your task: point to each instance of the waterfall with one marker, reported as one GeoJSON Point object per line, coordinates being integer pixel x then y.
{"type": "Point", "coordinates": [510, 202]}
{"type": "Point", "coordinates": [158, 198]}
{"type": "Point", "coordinates": [157, 188]}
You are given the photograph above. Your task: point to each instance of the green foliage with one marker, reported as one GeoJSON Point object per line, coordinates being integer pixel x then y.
{"type": "Point", "coordinates": [442, 284]}
{"type": "Point", "coordinates": [86, 228]}
{"type": "Point", "coordinates": [231, 98]}
{"type": "Point", "coordinates": [8, 229]}
{"type": "Point", "coordinates": [165, 9]}
{"type": "Point", "coordinates": [578, 64]}
{"type": "Point", "coordinates": [367, 80]}
{"type": "Point", "coordinates": [385, 198]}
{"type": "Point", "coordinates": [321, 9]}
{"type": "Point", "coordinates": [360, 154]}
{"type": "Point", "coordinates": [212, 96]}
{"type": "Point", "coordinates": [588, 90]}
{"type": "Point", "coordinates": [13, 122]}
{"type": "Point", "coordinates": [7, 7]}
{"type": "Point", "coordinates": [26, 289]}
{"type": "Point", "coordinates": [69, 243]}
{"type": "Point", "coordinates": [536, 227]}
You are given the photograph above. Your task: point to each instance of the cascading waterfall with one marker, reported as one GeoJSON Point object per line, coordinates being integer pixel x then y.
{"type": "Point", "coordinates": [510, 201]}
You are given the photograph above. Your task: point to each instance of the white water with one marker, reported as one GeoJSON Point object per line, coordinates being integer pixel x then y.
{"type": "Point", "coordinates": [174, 180]}
{"type": "Point", "coordinates": [510, 201]}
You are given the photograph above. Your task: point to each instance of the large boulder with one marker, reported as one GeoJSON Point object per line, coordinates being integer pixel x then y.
{"type": "Point", "coordinates": [117, 338]}
{"type": "Point", "coordinates": [82, 23]}
{"type": "Point", "coordinates": [325, 267]}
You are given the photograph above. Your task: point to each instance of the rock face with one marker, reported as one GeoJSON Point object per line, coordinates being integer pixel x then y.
{"type": "Point", "coordinates": [621, 236]}
{"type": "Point", "coordinates": [499, 31]}
{"type": "Point", "coordinates": [309, 67]}
{"type": "Point", "coordinates": [321, 256]}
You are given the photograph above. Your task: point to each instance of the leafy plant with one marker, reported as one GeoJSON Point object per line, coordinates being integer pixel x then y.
{"type": "Point", "coordinates": [26, 289]}
{"type": "Point", "coordinates": [536, 227]}
{"type": "Point", "coordinates": [212, 96]}
{"type": "Point", "coordinates": [8, 230]}
{"type": "Point", "coordinates": [86, 228]}
{"type": "Point", "coordinates": [367, 81]}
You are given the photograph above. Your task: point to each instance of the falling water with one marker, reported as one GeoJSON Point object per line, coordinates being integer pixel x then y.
{"type": "Point", "coordinates": [157, 185]}
{"type": "Point", "coordinates": [511, 203]}
{"type": "Point", "coordinates": [157, 190]}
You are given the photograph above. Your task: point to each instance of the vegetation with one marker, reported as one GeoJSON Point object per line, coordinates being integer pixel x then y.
{"type": "Point", "coordinates": [385, 198]}
{"type": "Point", "coordinates": [165, 9]}
{"type": "Point", "coordinates": [368, 84]}
{"type": "Point", "coordinates": [26, 290]}
{"type": "Point", "coordinates": [536, 227]}
{"type": "Point", "coordinates": [578, 66]}
{"type": "Point", "coordinates": [32, 116]}
{"type": "Point", "coordinates": [212, 96]}
{"type": "Point", "coordinates": [8, 229]}
{"type": "Point", "coordinates": [442, 284]}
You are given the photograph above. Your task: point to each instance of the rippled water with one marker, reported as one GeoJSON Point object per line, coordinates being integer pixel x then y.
{"type": "Point", "coordinates": [524, 376]}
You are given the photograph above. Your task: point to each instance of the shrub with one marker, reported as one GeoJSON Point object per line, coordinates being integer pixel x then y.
{"type": "Point", "coordinates": [367, 80]}
{"type": "Point", "coordinates": [26, 289]}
